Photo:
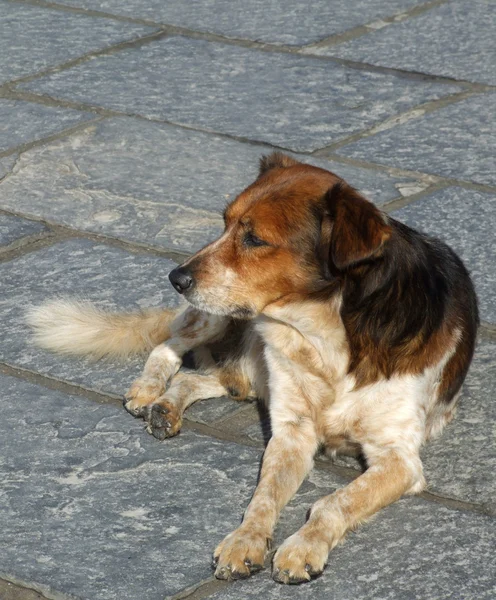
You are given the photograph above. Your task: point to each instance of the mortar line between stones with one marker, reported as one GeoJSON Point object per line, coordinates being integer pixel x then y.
{"type": "Point", "coordinates": [44, 241]}
{"type": "Point", "coordinates": [59, 233]}
{"type": "Point", "coordinates": [487, 331]}
{"type": "Point", "coordinates": [372, 26]}
{"type": "Point", "coordinates": [398, 172]}
{"type": "Point", "coordinates": [79, 390]}
{"type": "Point", "coordinates": [166, 30]}
{"type": "Point", "coordinates": [38, 588]}
{"type": "Point", "coordinates": [345, 472]}
{"type": "Point", "coordinates": [397, 203]}
{"type": "Point", "coordinates": [20, 244]}
{"type": "Point", "coordinates": [201, 589]}
{"type": "Point", "coordinates": [336, 38]}
{"type": "Point", "coordinates": [325, 153]}
{"type": "Point", "coordinates": [136, 42]}
{"type": "Point", "coordinates": [59, 385]}
{"type": "Point", "coordinates": [49, 138]}
{"type": "Point", "coordinates": [420, 110]}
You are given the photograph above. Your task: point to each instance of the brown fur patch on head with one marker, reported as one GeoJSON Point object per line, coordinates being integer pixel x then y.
{"type": "Point", "coordinates": [276, 160]}
{"type": "Point", "coordinates": [359, 228]}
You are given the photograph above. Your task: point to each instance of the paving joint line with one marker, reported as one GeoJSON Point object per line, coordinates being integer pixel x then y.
{"type": "Point", "coordinates": [347, 473]}
{"type": "Point", "coordinates": [78, 390]}
{"type": "Point", "coordinates": [361, 30]}
{"type": "Point", "coordinates": [487, 331]}
{"type": "Point", "coordinates": [428, 178]}
{"type": "Point", "coordinates": [46, 240]}
{"type": "Point", "coordinates": [41, 589]}
{"type": "Point", "coordinates": [59, 385]}
{"type": "Point", "coordinates": [62, 233]}
{"type": "Point", "coordinates": [321, 153]}
{"type": "Point", "coordinates": [136, 42]}
{"type": "Point", "coordinates": [20, 244]}
{"type": "Point", "coordinates": [420, 110]}
{"type": "Point", "coordinates": [9, 92]}
{"type": "Point", "coordinates": [47, 139]}
{"type": "Point", "coordinates": [203, 589]}
{"type": "Point", "coordinates": [167, 30]}
{"type": "Point", "coordinates": [398, 203]}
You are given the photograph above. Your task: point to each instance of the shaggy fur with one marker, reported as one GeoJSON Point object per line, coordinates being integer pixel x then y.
{"type": "Point", "coordinates": [355, 329]}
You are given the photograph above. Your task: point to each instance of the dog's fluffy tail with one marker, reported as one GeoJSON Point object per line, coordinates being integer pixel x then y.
{"type": "Point", "coordinates": [78, 327]}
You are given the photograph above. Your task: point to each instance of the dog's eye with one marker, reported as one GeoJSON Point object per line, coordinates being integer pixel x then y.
{"type": "Point", "coordinates": [252, 240]}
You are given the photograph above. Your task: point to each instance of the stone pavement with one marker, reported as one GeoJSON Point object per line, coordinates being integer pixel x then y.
{"type": "Point", "coordinates": [125, 127]}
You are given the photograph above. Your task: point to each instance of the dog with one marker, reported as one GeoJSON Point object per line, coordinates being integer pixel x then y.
{"type": "Point", "coordinates": [356, 330]}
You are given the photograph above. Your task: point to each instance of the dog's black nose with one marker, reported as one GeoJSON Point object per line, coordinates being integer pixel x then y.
{"type": "Point", "coordinates": [181, 279]}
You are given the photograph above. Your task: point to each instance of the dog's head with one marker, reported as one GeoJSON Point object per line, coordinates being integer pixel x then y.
{"type": "Point", "coordinates": [291, 233]}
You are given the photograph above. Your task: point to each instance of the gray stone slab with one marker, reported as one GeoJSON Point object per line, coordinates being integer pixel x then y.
{"type": "Point", "coordinates": [455, 40]}
{"type": "Point", "coordinates": [466, 220]}
{"type": "Point", "coordinates": [115, 514]}
{"type": "Point", "coordinates": [455, 141]}
{"type": "Point", "coordinates": [35, 38]}
{"type": "Point", "coordinates": [412, 550]}
{"type": "Point", "coordinates": [14, 228]}
{"type": "Point", "coordinates": [92, 506]}
{"type": "Point", "coordinates": [151, 183]}
{"type": "Point", "coordinates": [24, 122]}
{"type": "Point", "coordinates": [291, 101]}
{"type": "Point", "coordinates": [281, 22]}
{"type": "Point", "coordinates": [461, 463]}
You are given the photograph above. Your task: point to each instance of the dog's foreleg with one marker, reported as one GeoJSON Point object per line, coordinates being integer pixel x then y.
{"type": "Point", "coordinates": [287, 460]}
{"type": "Point", "coordinates": [189, 330]}
{"type": "Point", "coordinates": [304, 554]}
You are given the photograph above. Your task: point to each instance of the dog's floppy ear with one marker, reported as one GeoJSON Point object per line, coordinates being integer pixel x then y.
{"type": "Point", "coordinates": [359, 229]}
{"type": "Point", "coordinates": [274, 161]}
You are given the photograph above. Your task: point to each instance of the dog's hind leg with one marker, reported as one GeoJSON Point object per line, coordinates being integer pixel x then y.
{"type": "Point", "coordinates": [164, 416]}
{"type": "Point", "coordinates": [189, 330]}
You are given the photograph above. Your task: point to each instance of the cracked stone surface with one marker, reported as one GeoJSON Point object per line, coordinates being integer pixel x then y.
{"type": "Point", "coordinates": [241, 92]}
{"type": "Point", "coordinates": [24, 122]}
{"type": "Point", "coordinates": [456, 141]}
{"type": "Point", "coordinates": [280, 22]}
{"type": "Point", "coordinates": [36, 38]}
{"type": "Point", "coordinates": [148, 514]}
{"type": "Point", "coordinates": [454, 40]}
{"type": "Point", "coordinates": [14, 228]}
{"type": "Point", "coordinates": [151, 183]}
{"type": "Point", "coordinates": [466, 220]}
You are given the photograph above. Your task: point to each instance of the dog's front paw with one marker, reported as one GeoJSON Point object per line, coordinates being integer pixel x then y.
{"type": "Point", "coordinates": [143, 393]}
{"type": "Point", "coordinates": [240, 554]}
{"type": "Point", "coordinates": [299, 559]}
{"type": "Point", "coordinates": [163, 419]}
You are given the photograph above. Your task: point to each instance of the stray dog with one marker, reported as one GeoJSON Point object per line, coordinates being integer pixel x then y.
{"type": "Point", "coordinates": [355, 329]}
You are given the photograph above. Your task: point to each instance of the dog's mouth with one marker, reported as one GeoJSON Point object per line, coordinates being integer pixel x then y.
{"type": "Point", "coordinates": [213, 303]}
